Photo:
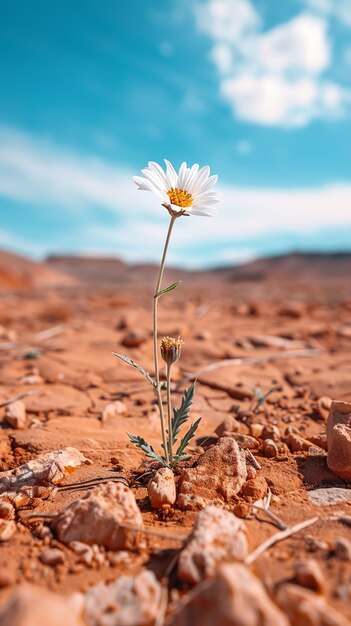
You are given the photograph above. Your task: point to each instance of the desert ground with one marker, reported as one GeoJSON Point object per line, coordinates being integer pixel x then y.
{"type": "Point", "coordinates": [269, 345]}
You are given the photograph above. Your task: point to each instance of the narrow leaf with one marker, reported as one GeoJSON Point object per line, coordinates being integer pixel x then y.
{"type": "Point", "coordinates": [140, 369]}
{"type": "Point", "coordinates": [181, 415]}
{"type": "Point", "coordinates": [146, 447]}
{"type": "Point", "coordinates": [186, 439]}
{"type": "Point", "coordinates": [167, 289]}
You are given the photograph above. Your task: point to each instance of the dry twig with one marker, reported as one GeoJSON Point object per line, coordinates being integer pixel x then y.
{"type": "Point", "coordinates": [284, 534]}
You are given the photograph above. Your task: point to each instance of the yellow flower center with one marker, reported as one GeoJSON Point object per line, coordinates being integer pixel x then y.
{"type": "Point", "coordinates": [179, 197]}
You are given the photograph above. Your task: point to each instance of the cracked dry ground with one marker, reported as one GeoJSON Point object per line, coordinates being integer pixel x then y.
{"type": "Point", "coordinates": [57, 345]}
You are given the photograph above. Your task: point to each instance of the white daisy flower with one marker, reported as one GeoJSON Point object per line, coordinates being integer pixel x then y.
{"type": "Point", "coordinates": [188, 192]}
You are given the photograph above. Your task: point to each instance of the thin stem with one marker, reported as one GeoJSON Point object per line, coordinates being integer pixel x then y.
{"type": "Point", "coordinates": [155, 336]}
{"type": "Point", "coordinates": [169, 411]}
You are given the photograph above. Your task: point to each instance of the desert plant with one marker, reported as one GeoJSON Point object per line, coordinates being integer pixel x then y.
{"type": "Point", "coordinates": [186, 192]}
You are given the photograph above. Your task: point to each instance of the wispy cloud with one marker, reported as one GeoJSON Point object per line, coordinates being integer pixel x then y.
{"type": "Point", "coordinates": [36, 173]}
{"type": "Point", "coordinates": [272, 77]}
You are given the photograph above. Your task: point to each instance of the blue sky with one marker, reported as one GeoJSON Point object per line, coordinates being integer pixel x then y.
{"type": "Point", "coordinates": [91, 90]}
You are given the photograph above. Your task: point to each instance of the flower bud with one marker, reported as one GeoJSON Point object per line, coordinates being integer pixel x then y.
{"type": "Point", "coordinates": [171, 349]}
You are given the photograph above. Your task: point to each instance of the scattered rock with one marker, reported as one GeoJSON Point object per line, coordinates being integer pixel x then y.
{"type": "Point", "coordinates": [256, 430]}
{"type": "Point", "coordinates": [309, 574]}
{"type": "Point", "coordinates": [126, 602]}
{"type": "Point", "coordinates": [295, 442]}
{"type": "Point", "coordinates": [114, 410]}
{"type": "Point", "coordinates": [325, 496]}
{"type": "Point", "coordinates": [35, 606]}
{"type": "Point", "coordinates": [228, 426]}
{"type": "Point", "coordinates": [234, 597]}
{"type": "Point", "coordinates": [217, 536]}
{"type": "Point", "coordinates": [161, 489]}
{"type": "Point", "coordinates": [134, 339]}
{"type": "Point", "coordinates": [339, 439]}
{"type": "Point", "coordinates": [50, 468]}
{"type": "Point", "coordinates": [302, 606]}
{"type": "Point", "coordinates": [255, 489]}
{"type": "Point", "coordinates": [52, 556]}
{"type": "Point", "coordinates": [323, 406]}
{"type": "Point", "coordinates": [272, 432]}
{"type": "Point", "coordinates": [246, 442]}
{"type": "Point", "coordinates": [219, 474]}
{"type": "Point", "coordinates": [15, 415]}
{"type": "Point", "coordinates": [270, 449]}
{"type": "Point", "coordinates": [7, 577]}
{"type": "Point", "coordinates": [319, 440]}
{"type": "Point", "coordinates": [31, 379]}
{"type": "Point", "coordinates": [97, 518]}
{"type": "Point", "coordinates": [342, 548]}
{"type": "Point", "coordinates": [7, 529]}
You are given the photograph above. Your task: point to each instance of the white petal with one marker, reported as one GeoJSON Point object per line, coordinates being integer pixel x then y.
{"type": "Point", "coordinates": [201, 178]}
{"type": "Point", "coordinates": [182, 175]}
{"type": "Point", "coordinates": [207, 196]}
{"type": "Point", "coordinates": [207, 184]}
{"type": "Point", "coordinates": [155, 167]}
{"type": "Point", "coordinates": [171, 174]}
{"type": "Point", "coordinates": [154, 178]}
{"type": "Point", "coordinates": [142, 183]}
{"type": "Point", "coordinates": [205, 212]}
{"type": "Point", "coordinates": [191, 180]}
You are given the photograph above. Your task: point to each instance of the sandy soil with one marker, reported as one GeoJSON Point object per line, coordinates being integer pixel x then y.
{"type": "Point", "coordinates": [65, 337]}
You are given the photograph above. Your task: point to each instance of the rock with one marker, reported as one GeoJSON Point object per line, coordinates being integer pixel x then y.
{"type": "Point", "coordinates": [256, 430]}
{"type": "Point", "coordinates": [35, 606]}
{"type": "Point", "coordinates": [31, 379]}
{"type": "Point", "coordinates": [7, 577]}
{"type": "Point", "coordinates": [7, 510]}
{"type": "Point", "coordinates": [323, 406]}
{"type": "Point", "coordinates": [271, 432]}
{"type": "Point", "coordinates": [270, 449]}
{"type": "Point", "coordinates": [295, 442]}
{"type": "Point", "coordinates": [114, 410]}
{"type": "Point", "coordinates": [342, 548]}
{"type": "Point", "coordinates": [309, 574]}
{"type": "Point", "coordinates": [229, 425]}
{"type": "Point", "coordinates": [50, 468]}
{"type": "Point", "coordinates": [97, 518]}
{"type": "Point", "coordinates": [217, 536]}
{"type": "Point", "coordinates": [325, 496]}
{"type": "Point", "coordinates": [52, 556]}
{"type": "Point", "coordinates": [134, 339]}
{"type": "Point", "coordinates": [255, 489]}
{"type": "Point", "coordinates": [274, 341]}
{"type": "Point", "coordinates": [161, 489]}
{"type": "Point", "coordinates": [15, 415]}
{"type": "Point", "coordinates": [339, 439]}
{"type": "Point", "coordinates": [302, 606]}
{"type": "Point", "coordinates": [129, 601]}
{"type": "Point", "coordinates": [234, 597]}
{"type": "Point", "coordinates": [219, 474]}
{"type": "Point", "coordinates": [7, 529]}
{"type": "Point", "coordinates": [246, 442]}
{"type": "Point", "coordinates": [319, 440]}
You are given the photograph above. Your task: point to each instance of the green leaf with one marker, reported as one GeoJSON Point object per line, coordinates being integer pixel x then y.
{"type": "Point", "coordinates": [147, 448]}
{"type": "Point", "coordinates": [140, 369]}
{"type": "Point", "coordinates": [181, 415]}
{"type": "Point", "coordinates": [179, 455]}
{"type": "Point", "coordinates": [167, 289]}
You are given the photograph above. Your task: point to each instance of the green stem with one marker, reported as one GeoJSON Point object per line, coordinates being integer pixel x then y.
{"type": "Point", "coordinates": [169, 411]}
{"type": "Point", "coordinates": [155, 337]}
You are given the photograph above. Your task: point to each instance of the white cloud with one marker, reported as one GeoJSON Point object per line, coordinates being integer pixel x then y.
{"type": "Point", "coordinates": [340, 9]}
{"type": "Point", "coordinates": [41, 174]}
{"type": "Point", "coordinates": [227, 20]}
{"type": "Point", "coordinates": [272, 77]}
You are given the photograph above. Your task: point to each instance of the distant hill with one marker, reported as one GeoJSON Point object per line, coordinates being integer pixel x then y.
{"type": "Point", "coordinates": [296, 266]}
{"type": "Point", "coordinates": [18, 272]}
